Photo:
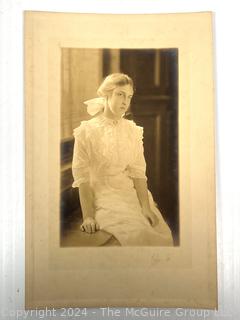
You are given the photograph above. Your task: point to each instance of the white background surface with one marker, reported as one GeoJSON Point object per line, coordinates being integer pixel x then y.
{"type": "Point", "coordinates": [227, 55]}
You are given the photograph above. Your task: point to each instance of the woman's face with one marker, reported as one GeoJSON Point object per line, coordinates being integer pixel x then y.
{"type": "Point", "coordinates": [120, 100]}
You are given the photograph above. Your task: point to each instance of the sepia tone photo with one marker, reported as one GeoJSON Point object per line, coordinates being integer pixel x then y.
{"type": "Point", "coordinates": [119, 147]}
{"type": "Point", "coordinates": [120, 171]}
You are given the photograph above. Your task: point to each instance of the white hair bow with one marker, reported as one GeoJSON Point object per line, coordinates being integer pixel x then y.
{"type": "Point", "coordinates": [95, 105]}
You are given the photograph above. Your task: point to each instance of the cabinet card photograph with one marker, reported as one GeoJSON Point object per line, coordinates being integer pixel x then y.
{"type": "Point", "coordinates": [120, 167]}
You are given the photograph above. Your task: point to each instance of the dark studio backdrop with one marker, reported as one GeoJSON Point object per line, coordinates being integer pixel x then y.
{"type": "Point", "coordinates": [154, 106]}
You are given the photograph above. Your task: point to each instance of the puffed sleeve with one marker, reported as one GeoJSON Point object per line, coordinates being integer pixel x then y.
{"type": "Point", "coordinates": [80, 163]}
{"type": "Point", "coordinates": [137, 169]}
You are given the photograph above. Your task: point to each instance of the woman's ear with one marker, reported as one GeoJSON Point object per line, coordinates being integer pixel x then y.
{"type": "Point", "coordinates": [108, 97]}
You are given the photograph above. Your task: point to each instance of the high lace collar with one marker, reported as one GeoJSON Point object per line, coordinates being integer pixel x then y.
{"type": "Point", "coordinates": [107, 121]}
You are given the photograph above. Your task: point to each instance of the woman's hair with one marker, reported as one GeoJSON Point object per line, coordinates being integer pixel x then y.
{"type": "Point", "coordinates": [112, 81]}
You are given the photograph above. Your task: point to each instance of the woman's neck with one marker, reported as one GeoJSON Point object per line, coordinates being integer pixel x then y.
{"type": "Point", "coordinates": [108, 114]}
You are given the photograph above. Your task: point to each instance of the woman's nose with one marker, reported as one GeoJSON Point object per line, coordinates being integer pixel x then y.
{"type": "Point", "coordinates": [124, 100]}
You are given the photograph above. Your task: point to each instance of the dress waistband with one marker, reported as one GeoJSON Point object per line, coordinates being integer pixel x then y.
{"type": "Point", "coordinates": [110, 174]}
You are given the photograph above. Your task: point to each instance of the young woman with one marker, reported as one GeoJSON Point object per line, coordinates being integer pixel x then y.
{"type": "Point", "coordinates": [109, 170]}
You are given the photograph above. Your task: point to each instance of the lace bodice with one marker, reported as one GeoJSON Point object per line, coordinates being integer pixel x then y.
{"type": "Point", "coordinates": [105, 147]}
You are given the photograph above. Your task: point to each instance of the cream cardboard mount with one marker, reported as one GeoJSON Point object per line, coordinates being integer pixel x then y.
{"type": "Point", "coordinates": [181, 276]}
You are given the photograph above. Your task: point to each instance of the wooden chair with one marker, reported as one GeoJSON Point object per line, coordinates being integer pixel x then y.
{"type": "Point", "coordinates": [78, 238]}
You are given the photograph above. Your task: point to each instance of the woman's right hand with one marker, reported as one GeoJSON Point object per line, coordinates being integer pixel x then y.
{"type": "Point", "coordinates": [89, 225]}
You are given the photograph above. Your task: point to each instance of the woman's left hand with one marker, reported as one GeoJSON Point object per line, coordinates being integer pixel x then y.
{"type": "Point", "coordinates": [151, 217]}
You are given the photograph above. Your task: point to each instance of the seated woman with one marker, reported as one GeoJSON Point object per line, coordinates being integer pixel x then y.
{"type": "Point", "coordinates": [109, 170]}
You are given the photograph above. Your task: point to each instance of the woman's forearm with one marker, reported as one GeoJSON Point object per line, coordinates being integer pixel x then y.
{"type": "Point", "coordinates": [142, 192]}
{"type": "Point", "coordinates": [86, 200]}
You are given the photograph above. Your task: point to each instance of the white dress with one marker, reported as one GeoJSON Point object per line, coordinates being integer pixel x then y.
{"type": "Point", "coordinates": [108, 154]}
